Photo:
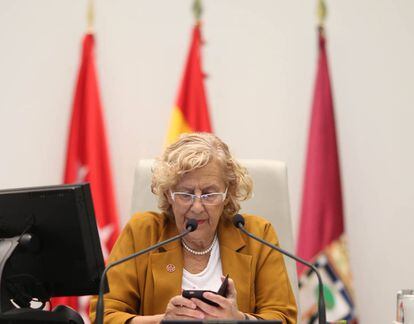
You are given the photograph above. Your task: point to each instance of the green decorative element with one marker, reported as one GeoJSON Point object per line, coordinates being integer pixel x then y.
{"type": "Point", "coordinates": [321, 12]}
{"type": "Point", "coordinates": [329, 296]}
{"type": "Point", "coordinates": [197, 9]}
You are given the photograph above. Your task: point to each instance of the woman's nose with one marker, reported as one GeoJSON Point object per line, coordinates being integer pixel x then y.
{"type": "Point", "coordinates": [197, 205]}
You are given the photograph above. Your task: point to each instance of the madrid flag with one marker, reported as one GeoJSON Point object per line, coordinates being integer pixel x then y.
{"type": "Point", "coordinates": [87, 158]}
{"type": "Point", "coordinates": [190, 113]}
{"type": "Point", "coordinates": [321, 233]}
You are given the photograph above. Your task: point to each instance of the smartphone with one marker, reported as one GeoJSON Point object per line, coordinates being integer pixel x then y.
{"type": "Point", "coordinates": [199, 293]}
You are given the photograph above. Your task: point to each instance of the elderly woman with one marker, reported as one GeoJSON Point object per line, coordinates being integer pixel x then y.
{"type": "Point", "coordinates": [197, 178]}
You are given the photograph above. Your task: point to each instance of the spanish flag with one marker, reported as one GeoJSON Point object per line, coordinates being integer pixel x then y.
{"type": "Point", "coordinates": [190, 113]}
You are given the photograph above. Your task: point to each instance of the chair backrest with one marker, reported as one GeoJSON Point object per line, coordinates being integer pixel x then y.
{"type": "Point", "coordinates": [270, 200]}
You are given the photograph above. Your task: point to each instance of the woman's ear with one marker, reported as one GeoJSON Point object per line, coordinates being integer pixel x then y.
{"type": "Point", "coordinates": [227, 199]}
{"type": "Point", "coordinates": [168, 196]}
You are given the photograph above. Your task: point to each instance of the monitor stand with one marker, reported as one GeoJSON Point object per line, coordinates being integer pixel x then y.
{"type": "Point", "coordinates": [7, 247]}
{"type": "Point", "coordinates": [60, 315]}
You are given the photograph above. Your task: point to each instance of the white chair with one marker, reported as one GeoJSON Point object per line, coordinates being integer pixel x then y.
{"type": "Point", "coordinates": [270, 200]}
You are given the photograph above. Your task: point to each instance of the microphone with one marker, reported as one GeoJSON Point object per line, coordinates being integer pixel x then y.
{"type": "Point", "coordinates": [238, 221]}
{"type": "Point", "coordinates": [190, 226]}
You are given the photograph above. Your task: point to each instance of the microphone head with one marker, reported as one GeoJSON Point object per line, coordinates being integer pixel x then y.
{"type": "Point", "coordinates": [191, 225]}
{"type": "Point", "coordinates": [238, 220]}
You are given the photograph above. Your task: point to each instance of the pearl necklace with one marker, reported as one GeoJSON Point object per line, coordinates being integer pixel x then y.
{"type": "Point", "coordinates": [199, 252]}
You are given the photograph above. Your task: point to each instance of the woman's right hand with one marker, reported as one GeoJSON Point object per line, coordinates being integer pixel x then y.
{"type": "Point", "coordinates": [182, 308]}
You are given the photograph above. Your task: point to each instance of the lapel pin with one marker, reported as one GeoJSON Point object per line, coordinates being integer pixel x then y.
{"type": "Point", "coordinates": [170, 267]}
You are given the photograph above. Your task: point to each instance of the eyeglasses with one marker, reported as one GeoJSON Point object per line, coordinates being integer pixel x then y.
{"type": "Point", "coordinates": [185, 198]}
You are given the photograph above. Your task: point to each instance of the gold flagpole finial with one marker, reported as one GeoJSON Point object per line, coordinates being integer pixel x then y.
{"type": "Point", "coordinates": [321, 12]}
{"type": "Point", "coordinates": [197, 10]}
{"type": "Point", "coordinates": [90, 16]}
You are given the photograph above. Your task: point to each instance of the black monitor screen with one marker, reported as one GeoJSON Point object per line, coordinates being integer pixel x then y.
{"type": "Point", "coordinates": [64, 257]}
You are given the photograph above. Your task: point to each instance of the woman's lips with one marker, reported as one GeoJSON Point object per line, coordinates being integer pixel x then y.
{"type": "Point", "coordinates": [200, 221]}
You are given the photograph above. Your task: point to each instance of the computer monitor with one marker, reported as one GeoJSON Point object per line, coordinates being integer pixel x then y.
{"type": "Point", "coordinates": [59, 252]}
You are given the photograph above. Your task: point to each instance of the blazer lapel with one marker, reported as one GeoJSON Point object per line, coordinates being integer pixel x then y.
{"type": "Point", "coordinates": [167, 270]}
{"type": "Point", "coordinates": [166, 267]}
{"type": "Point", "coordinates": [236, 264]}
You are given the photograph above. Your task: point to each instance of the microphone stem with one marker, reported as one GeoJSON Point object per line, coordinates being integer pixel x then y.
{"type": "Point", "coordinates": [321, 299]}
{"type": "Point", "coordinates": [100, 304]}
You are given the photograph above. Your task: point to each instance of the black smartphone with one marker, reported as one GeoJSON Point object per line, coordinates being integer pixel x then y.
{"type": "Point", "coordinates": [199, 293]}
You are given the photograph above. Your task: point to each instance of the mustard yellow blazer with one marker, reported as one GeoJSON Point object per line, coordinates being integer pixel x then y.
{"type": "Point", "coordinates": [144, 285]}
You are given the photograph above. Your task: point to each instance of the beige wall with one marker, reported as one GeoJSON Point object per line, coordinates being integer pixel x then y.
{"type": "Point", "coordinates": [260, 57]}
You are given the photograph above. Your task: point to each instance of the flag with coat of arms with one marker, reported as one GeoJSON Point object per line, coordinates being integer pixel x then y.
{"type": "Point", "coordinates": [321, 237]}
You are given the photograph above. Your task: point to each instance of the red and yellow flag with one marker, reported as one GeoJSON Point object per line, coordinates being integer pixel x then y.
{"type": "Point", "coordinates": [190, 113]}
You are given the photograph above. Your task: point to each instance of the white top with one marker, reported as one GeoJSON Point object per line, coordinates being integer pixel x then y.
{"type": "Point", "coordinates": [210, 277]}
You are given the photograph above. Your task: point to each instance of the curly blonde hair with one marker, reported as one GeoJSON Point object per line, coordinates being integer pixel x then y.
{"type": "Point", "coordinates": [193, 151]}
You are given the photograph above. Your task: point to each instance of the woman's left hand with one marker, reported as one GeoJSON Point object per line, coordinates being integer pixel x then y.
{"type": "Point", "coordinates": [227, 308]}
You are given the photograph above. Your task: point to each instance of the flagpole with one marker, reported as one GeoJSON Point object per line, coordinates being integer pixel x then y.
{"type": "Point", "coordinates": [197, 10]}
{"type": "Point", "coordinates": [321, 14]}
{"type": "Point", "coordinates": [90, 17]}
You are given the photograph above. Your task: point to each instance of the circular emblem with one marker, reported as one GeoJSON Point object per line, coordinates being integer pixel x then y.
{"type": "Point", "coordinates": [170, 267]}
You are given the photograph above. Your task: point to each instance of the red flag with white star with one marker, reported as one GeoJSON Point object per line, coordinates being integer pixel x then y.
{"type": "Point", "coordinates": [87, 159]}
